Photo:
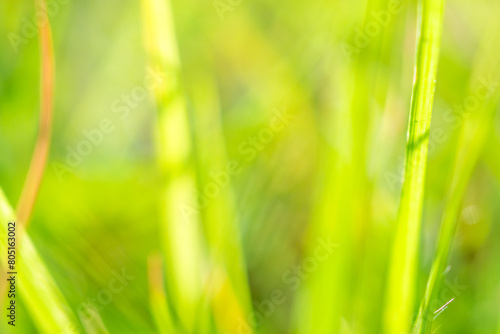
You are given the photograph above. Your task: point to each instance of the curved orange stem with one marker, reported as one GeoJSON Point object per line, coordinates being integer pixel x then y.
{"type": "Point", "coordinates": [42, 147]}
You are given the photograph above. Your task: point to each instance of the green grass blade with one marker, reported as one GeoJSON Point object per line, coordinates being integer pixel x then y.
{"type": "Point", "coordinates": [38, 290]}
{"type": "Point", "coordinates": [473, 137]}
{"type": "Point", "coordinates": [180, 238]}
{"type": "Point", "coordinates": [229, 282]}
{"type": "Point", "coordinates": [402, 274]}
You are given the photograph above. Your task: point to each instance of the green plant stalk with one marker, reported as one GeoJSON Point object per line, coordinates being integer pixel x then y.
{"type": "Point", "coordinates": [328, 287]}
{"type": "Point", "coordinates": [228, 268]}
{"type": "Point", "coordinates": [402, 272]}
{"type": "Point", "coordinates": [321, 306]}
{"type": "Point", "coordinates": [472, 139]}
{"type": "Point", "coordinates": [180, 237]}
{"type": "Point", "coordinates": [470, 146]}
{"type": "Point", "coordinates": [39, 292]}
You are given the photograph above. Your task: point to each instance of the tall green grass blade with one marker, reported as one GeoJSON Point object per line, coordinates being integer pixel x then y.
{"type": "Point", "coordinates": [38, 290]}
{"type": "Point", "coordinates": [342, 211]}
{"type": "Point", "coordinates": [403, 266]}
{"type": "Point", "coordinates": [473, 135]}
{"type": "Point", "coordinates": [328, 287]}
{"type": "Point", "coordinates": [180, 238]}
{"type": "Point", "coordinates": [228, 282]}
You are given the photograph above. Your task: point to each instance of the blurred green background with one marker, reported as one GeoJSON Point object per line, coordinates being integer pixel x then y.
{"type": "Point", "coordinates": [337, 161]}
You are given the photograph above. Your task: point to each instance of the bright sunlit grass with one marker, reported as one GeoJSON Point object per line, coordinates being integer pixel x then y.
{"type": "Point", "coordinates": [237, 167]}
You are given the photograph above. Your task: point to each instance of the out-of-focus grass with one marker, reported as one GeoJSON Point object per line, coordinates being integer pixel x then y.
{"type": "Point", "coordinates": [331, 172]}
{"type": "Point", "coordinates": [180, 233]}
{"type": "Point", "coordinates": [159, 304]}
{"type": "Point", "coordinates": [40, 294]}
